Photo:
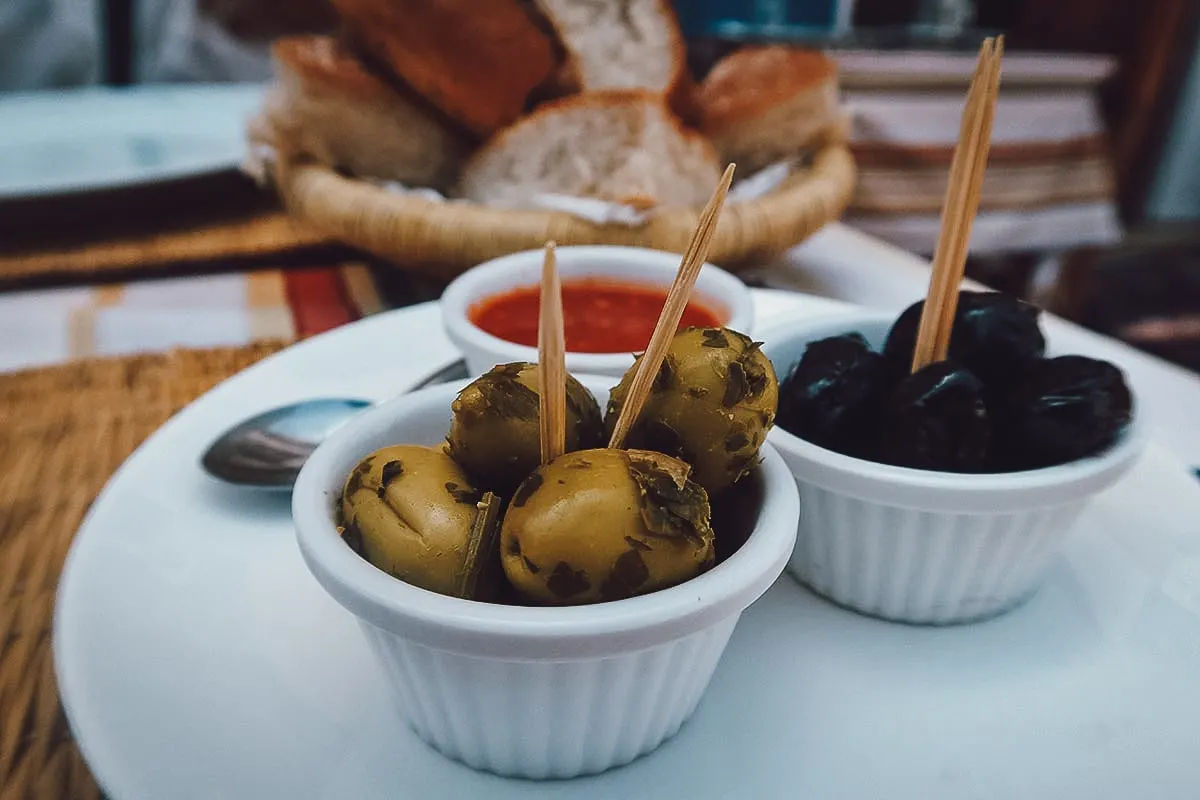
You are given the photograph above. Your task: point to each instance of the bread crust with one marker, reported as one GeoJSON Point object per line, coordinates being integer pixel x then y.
{"type": "Point", "coordinates": [753, 81]}
{"type": "Point", "coordinates": [477, 61]}
{"type": "Point", "coordinates": [323, 61]}
{"type": "Point", "coordinates": [761, 105]}
{"type": "Point", "coordinates": [681, 88]}
{"type": "Point", "coordinates": [677, 86]}
{"type": "Point", "coordinates": [327, 105]}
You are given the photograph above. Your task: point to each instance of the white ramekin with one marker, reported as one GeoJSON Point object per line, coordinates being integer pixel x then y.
{"type": "Point", "coordinates": [718, 290]}
{"type": "Point", "coordinates": [534, 692]}
{"type": "Point", "coordinates": [920, 546]}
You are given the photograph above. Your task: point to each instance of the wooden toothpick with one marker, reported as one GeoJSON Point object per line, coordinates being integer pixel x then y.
{"type": "Point", "coordinates": [552, 367]}
{"type": "Point", "coordinates": [668, 320]}
{"type": "Point", "coordinates": [959, 207]}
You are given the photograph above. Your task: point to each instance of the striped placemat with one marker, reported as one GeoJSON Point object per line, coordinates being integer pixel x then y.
{"type": "Point", "coordinates": [186, 247]}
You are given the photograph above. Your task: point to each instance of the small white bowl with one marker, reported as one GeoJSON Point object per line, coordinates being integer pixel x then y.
{"type": "Point", "coordinates": [921, 546]}
{"type": "Point", "coordinates": [719, 291]}
{"type": "Point", "coordinates": [525, 691]}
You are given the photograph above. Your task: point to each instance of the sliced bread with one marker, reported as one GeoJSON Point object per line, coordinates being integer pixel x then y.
{"type": "Point", "coordinates": [760, 105]}
{"type": "Point", "coordinates": [620, 44]}
{"type": "Point", "coordinates": [325, 105]}
{"type": "Point", "coordinates": [619, 146]}
{"type": "Point", "coordinates": [478, 61]}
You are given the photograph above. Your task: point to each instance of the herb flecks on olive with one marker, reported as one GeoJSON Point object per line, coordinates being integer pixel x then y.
{"type": "Point", "coordinates": [571, 541]}
{"type": "Point", "coordinates": [672, 506]}
{"type": "Point", "coordinates": [399, 512]}
{"type": "Point", "coordinates": [736, 441]}
{"type": "Point", "coordinates": [462, 495]}
{"type": "Point", "coordinates": [495, 431]}
{"type": "Point", "coordinates": [527, 488]}
{"type": "Point", "coordinates": [629, 574]}
{"type": "Point", "coordinates": [354, 482]}
{"type": "Point", "coordinates": [566, 582]}
{"type": "Point", "coordinates": [721, 390]}
{"type": "Point", "coordinates": [391, 470]}
{"type": "Point", "coordinates": [482, 576]}
{"type": "Point", "coordinates": [352, 536]}
{"type": "Point", "coordinates": [936, 419]}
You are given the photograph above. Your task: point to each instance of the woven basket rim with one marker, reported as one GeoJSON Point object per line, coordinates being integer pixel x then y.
{"type": "Point", "coordinates": [460, 233]}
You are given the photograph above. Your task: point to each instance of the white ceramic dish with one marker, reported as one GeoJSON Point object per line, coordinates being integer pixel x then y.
{"type": "Point", "coordinates": [716, 289]}
{"type": "Point", "coordinates": [78, 140]}
{"type": "Point", "coordinates": [921, 546]}
{"type": "Point", "coordinates": [198, 658]}
{"type": "Point", "coordinates": [534, 692]}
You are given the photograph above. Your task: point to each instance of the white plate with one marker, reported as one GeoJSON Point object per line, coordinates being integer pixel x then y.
{"type": "Point", "coordinates": [197, 657]}
{"type": "Point", "coordinates": [78, 140]}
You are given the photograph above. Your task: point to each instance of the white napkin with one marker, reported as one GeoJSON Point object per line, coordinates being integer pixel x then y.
{"type": "Point", "coordinates": [601, 212]}
{"type": "Point", "coordinates": [604, 212]}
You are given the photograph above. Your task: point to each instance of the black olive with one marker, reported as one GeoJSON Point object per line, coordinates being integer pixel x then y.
{"type": "Point", "coordinates": [902, 338]}
{"type": "Point", "coordinates": [834, 397]}
{"type": "Point", "coordinates": [936, 419]}
{"type": "Point", "coordinates": [994, 336]}
{"type": "Point", "coordinates": [1062, 409]}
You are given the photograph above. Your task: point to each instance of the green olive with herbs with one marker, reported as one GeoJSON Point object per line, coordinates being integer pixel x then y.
{"type": "Point", "coordinates": [599, 525]}
{"type": "Point", "coordinates": [496, 434]}
{"type": "Point", "coordinates": [412, 512]}
{"type": "Point", "coordinates": [712, 404]}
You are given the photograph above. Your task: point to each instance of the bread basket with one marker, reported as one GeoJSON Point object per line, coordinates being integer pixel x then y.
{"type": "Point", "coordinates": [446, 238]}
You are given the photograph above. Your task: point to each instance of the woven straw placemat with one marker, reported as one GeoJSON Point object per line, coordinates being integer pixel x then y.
{"type": "Point", "coordinates": [229, 241]}
{"type": "Point", "coordinates": [63, 431]}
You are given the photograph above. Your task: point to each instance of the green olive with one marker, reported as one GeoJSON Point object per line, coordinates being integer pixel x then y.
{"type": "Point", "coordinates": [413, 513]}
{"type": "Point", "coordinates": [495, 433]}
{"type": "Point", "coordinates": [597, 525]}
{"type": "Point", "coordinates": [712, 404]}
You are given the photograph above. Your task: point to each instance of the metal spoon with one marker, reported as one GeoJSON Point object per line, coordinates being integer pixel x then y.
{"type": "Point", "coordinates": [267, 450]}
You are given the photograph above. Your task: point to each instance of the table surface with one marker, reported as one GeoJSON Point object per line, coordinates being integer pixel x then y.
{"type": "Point", "coordinates": [174, 286]}
{"type": "Point", "coordinates": [1087, 692]}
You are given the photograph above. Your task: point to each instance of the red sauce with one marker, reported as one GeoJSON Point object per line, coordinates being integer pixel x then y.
{"type": "Point", "coordinates": [599, 316]}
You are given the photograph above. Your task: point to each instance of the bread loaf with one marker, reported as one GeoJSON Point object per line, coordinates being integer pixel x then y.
{"type": "Point", "coordinates": [325, 105]}
{"type": "Point", "coordinates": [620, 146]}
{"type": "Point", "coordinates": [760, 105]}
{"type": "Point", "coordinates": [477, 61]}
{"type": "Point", "coordinates": [620, 44]}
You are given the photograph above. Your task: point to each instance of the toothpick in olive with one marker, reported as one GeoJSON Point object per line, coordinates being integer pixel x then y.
{"type": "Point", "coordinates": [495, 431]}
{"type": "Point", "coordinates": [712, 404]}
